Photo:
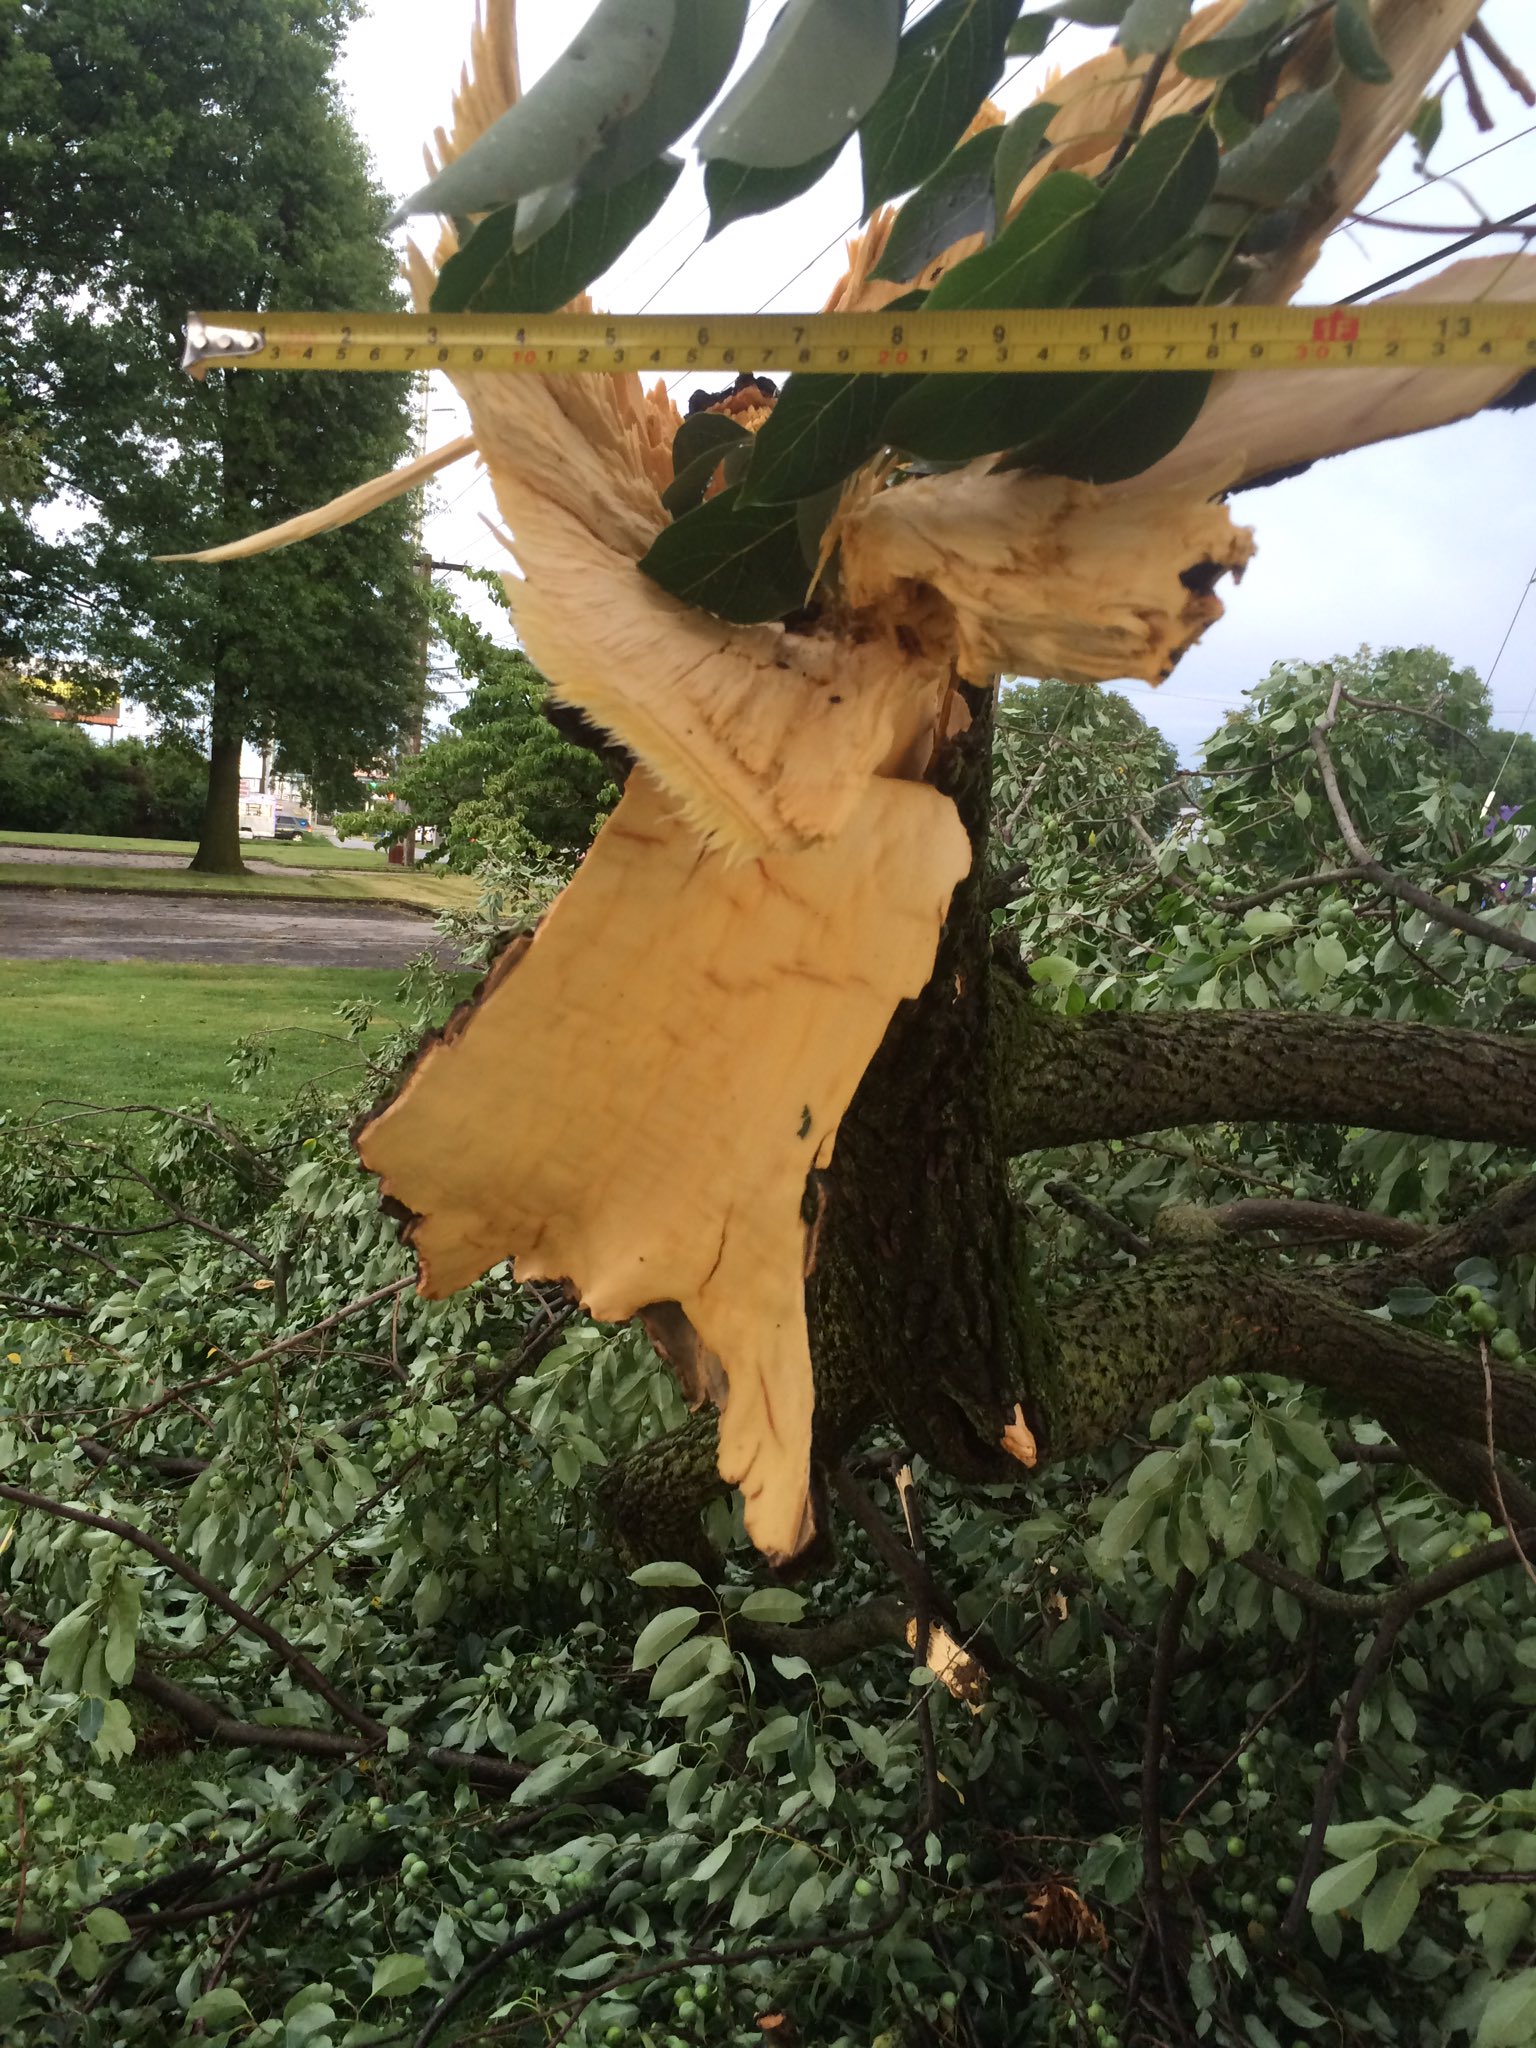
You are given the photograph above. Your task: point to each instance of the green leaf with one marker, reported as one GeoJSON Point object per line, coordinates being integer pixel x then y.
{"type": "Point", "coordinates": [488, 275]}
{"type": "Point", "coordinates": [736, 190]}
{"type": "Point", "coordinates": [1333, 1890]}
{"type": "Point", "coordinates": [1355, 41]}
{"type": "Point", "coordinates": [697, 454]}
{"type": "Point", "coordinates": [820, 430]}
{"type": "Point", "coordinates": [1509, 2017]}
{"type": "Point", "coordinates": [700, 53]}
{"type": "Point", "coordinates": [807, 1900]}
{"type": "Point", "coordinates": [1426, 125]}
{"type": "Point", "coordinates": [1155, 196]}
{"type": "Point", "coordinates": [85, 1958]}
{"type": "Point", "coordinates": [109, 1928]}
{"type": "Point", "coordinates": [1030, 34]}
{"type": "Point", "coordinates": [772, 1603]}
{"type": "Point", "coordinates": [823, 65]}
{"type": "Point", "coordinates": [1092, 13]}
{"type": "Point", "coordinates": [1018, 148]}
{"type": "Point", "coordinates": [224, 2003]}
{"type": "Point", "coordinates": [1123, 1525]}
{"type": "Point", "coordinates": [1331, 954]}
{"type": "Point", "coordinates": [122, 1618]}
{"type": "Point", "coordinates": [1239, 41]}
{"type": "Point", "coordinates": [1114, 426]}
{"type": "Point", "coordinates": [1152, 25]}
{"type": "Point", "coordinates": [741, 562]}
{"type": "Point", "coordinates": [398, 1976]}
{"type": "Point", "coordinates": [563, 119]}
{"type": "Point", "coordinates": [664, 1571]}
{"type": "Point", "coordinates": [1390, 1905]}
{"type": "Point", "coordinates": [1284, 153]}
{"type": "Point", "coordinates": [957, 200]}
{"type": "Point", "coordinates": [946, 65]}
{"type": "Point", "coordinates": [661, 1633]}
{"type": "Point", "coordinates": [1268, 924]}
{"type": "Point", "coordinates": [1040, 259]}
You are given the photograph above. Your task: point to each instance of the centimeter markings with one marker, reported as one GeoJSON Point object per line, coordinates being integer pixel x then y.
{"type": "Point", "coordinates": [1074, 338]}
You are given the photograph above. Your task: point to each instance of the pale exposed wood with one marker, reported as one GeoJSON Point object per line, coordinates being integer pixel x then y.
{"type": "Point", "coordinates": [353, 504]}
{"type": "Point", "coordinates": [636, 1100]}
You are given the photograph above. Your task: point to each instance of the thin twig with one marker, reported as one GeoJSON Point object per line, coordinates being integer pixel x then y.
{"type": "Point", "coordinates": [1154, 1895]}
{"type": "Point", "coordinates": [1139, 112]}
{"type": "Point", "coordinates": [1408, 892]}
{"type": "Point", "coordinates": [1493, 1459]}
{"type": "Point", "coordinates": [515, 1944]}
{"type": "Point", "coordinates": [1076, 1203]}
{"type": "Point", "coordinates": [1509, 71]}
{"type": "Point", "coordinates": [308, 1673]}
{"type": "Point", "coordinates": [1398, 1610]}
{"type": "Point", "coordinates": [1477, 106]}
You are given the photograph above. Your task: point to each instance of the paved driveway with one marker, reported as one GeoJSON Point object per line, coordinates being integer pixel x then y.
{"type": "Point", "coordinates": [81, 924]}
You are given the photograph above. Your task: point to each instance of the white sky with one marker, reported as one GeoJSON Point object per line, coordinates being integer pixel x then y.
{"type": "Point", "coordinates": [1430, 540]}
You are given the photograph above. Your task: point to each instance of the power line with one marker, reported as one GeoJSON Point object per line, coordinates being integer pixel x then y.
{"type": "Point", "coordinates": [1492, 227]}
{"type": "Point", "coordinates": [1439, 177]}
{"type": "Point", "coordinates": [1488, 685]}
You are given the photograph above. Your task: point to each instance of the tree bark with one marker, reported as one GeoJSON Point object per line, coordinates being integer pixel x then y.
{"type": "Point", "coordinates": [1118, 1074]}
{"type": "Point", "coordinates": [218, 846]}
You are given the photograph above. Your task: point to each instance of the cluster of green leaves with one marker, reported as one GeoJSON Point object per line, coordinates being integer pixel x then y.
{"type": "Point", "coordinates": [216, 166]}
{"type": "Point", "coordinates": [54, 778]}
{"type": "Point", "coordinates": [1196, 914]}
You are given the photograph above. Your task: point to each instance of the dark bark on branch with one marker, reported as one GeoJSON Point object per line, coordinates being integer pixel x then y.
{"type": "Point", "coordinates": [1498, 1230]}
{"type": "Point", "coordinates": [1112, 1074]}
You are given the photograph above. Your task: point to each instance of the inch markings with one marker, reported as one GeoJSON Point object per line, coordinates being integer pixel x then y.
{"type": "Point", "coordinates": [948, 343]}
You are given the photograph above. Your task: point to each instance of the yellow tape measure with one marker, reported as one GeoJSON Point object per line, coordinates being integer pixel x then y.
{"type": "Point", "coordinates": [959, 343]}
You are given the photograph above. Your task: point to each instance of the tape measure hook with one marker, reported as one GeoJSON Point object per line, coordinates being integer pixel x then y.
{"type": "Point", "coordinates": [207, 344]}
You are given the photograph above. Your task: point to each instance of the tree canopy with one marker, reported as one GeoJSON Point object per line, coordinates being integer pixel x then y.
{"type": "Point", "coordinates": [156, 157]}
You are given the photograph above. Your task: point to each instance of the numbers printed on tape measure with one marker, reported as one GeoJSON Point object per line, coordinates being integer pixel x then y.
{"type": "Point", "coordinates": [1133, 338]}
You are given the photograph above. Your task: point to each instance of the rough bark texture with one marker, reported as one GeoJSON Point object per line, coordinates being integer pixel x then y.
{"type": "Point", "coordinates": [919, 1301]}
{"type": "Point", "coordinates": [218, 846]}
{"type": "Point", "coordinates": [1064, 1080]}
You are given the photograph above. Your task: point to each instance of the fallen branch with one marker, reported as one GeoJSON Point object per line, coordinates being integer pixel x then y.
{"type": "Point", "coordinates": [307, 1672]}
{"type": "Point", "coordinates": [1406, 892]}
{"type": "Point", "coordinates": [1076, 1203]}
{"type": "Point", "coordinates": [1509, 71]}
{"type": "Point", "coordinates": [1396, 1612]}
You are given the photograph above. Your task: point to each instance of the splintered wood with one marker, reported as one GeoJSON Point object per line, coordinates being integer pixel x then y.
{"type": "Point", "coordinates": [635, 1099]}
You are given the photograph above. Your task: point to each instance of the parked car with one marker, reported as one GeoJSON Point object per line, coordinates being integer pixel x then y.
{"type": "Point", "coordinates": [286, 826]}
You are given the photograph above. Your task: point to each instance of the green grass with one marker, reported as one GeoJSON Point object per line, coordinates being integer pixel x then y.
{"type": "Point", "coordinates": [305, 853]}
{"type": "Point", "coordinates": [144, 1032]}
{"type": "Point", "coordinates": [416, 891]}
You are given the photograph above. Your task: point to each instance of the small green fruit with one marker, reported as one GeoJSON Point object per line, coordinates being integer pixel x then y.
{"type": "Point", "coordinates": [862, 1888]}
{"type": "Point", "coordinates": [1096, 2012]}
{"type": "Point", "coordinates": [1250, 1904]}
{"type": "Point", "coordinates": [1204, 1425]}
{"type": "Point", "coordinates": [1483, 1316]}
{"type": "Point", "coordinates": [1285, 1885]}
{"type": "Point", "coordinates": [1504, 1344]}
{"type": "Point", "coordinates": [1236, 1846]}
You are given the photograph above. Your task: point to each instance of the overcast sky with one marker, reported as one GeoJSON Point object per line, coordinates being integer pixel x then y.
{"type": "Point", "coordinates": [1430, 540]}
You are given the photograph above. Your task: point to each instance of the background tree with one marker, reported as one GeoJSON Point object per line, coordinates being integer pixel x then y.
{"type": "Point", "coordinates": [157, 156]}
{"type": "Point", "coordinates": [501, 769]}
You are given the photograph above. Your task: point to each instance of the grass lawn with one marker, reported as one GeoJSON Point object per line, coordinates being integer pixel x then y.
{"type": "Point", "coordinates": [417, 891]}
{"type": "Point", "coordinates": [144, 1032]}
{"type": "Point", "coordinates": [304, 853]}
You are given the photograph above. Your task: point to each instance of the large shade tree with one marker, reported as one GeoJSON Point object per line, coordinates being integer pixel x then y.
{"type": "Point", "coordinates": [155, 156]}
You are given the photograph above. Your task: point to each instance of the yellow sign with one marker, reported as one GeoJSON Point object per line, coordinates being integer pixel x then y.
{"type": "Point", "coordinates": [1135, 338]}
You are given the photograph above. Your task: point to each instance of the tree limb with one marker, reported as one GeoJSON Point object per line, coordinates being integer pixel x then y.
{"type": "Point", "coordinates": [1076, 1203]}
{"type": "Point", "coordinates": [1397, 1612]}
{"type": "Point", "coordinates": [1117, 1074]}
{"type": "Point", "coordinates": [1407, 892]}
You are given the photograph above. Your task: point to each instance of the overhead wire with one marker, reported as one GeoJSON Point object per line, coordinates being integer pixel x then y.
{"type": "Point", "coordinates": [1514, 617]}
